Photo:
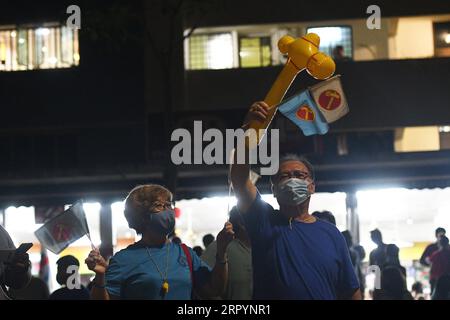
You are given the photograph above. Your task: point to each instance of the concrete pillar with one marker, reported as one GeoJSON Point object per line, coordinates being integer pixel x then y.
{"type": "Point", "coordinates": [106, 234]}
{"type": "Point", "coordinates": [352, 216]}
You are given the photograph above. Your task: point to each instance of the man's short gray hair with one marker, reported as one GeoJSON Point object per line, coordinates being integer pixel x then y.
{"type": "Point", "coordinates": [302, 159]}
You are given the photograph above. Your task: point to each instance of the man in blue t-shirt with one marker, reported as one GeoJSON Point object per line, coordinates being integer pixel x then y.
{"type": "Point", "coordinates": [295, 255]}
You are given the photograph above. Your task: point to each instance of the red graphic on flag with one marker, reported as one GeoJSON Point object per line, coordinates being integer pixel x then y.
{"type": "Point", "coordinates": [330, 99]}
{"type": "Point", "coordinates": [61, 232]}
{"type": "Point", "coordinates": [305, 113]}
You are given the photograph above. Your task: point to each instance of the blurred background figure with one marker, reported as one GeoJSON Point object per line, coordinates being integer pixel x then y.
{"type": "Point", "coordinates": [240, 274]}
{"type": "Point", "coordinates": [355, 255]}
{"type": "Point", "coordinates": [44, 268]}
{"type": "Point", "coordinates": [392, 258]}
{"type": "Point", "coordinates": [198, 250]}
{"type": "Point", "coordinates": [325, 216]}
{"type": "Point", "coordinates": [442, 290]}
{"type": "Point", "coordinates": [378, 255]}
{"type": "Point", "coordinates": [207, 240]}
{"type": "Point", "coordinates": [339, 54]}
{"type": "Point", "coordinates": [440, 262]}
{"type": "Point", "coordinates": [37, 289]}
{"type": "Point", "coordinates": [393, 286]}
{"type": "Point", "coordinates": [62, 277]}
{"type": "Point", "coordinates": [431, 248]}
{"type": "Point", "coordinates": [417, 291]}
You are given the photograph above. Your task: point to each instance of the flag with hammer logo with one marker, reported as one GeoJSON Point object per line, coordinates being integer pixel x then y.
{"type": "Point", "coordinates": [329, 97]}
{"type": "Point", "coordinates": [303, 112]}
{"type": "Point", "coordinates": [59, 232]}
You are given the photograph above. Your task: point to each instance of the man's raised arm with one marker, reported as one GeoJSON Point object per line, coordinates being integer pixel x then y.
{"type": "Point", "coordinates": [244, 189]}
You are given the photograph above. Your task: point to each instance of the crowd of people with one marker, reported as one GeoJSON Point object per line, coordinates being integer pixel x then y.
{"type": "Point", "coordinates": [261, 252]}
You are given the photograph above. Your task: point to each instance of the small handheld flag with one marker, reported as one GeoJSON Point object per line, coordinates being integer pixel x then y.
{"type": "Point", "coordinates": [302, 111]}
{"type": "Point", "coordinates": [313, 109]}
{"type": "Point", "coordinates": [58, 233]}
{"type": "Point", "coordinates": [330, 98]}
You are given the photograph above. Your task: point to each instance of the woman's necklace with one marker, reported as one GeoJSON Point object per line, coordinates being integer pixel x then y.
{"type": "Point", "coordinates": [165, 284]}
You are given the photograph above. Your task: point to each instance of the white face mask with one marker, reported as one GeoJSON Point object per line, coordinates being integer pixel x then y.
{"type": "Point", "coordinates": [292, 191]}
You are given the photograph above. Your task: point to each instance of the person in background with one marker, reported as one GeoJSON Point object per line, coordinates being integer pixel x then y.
{"type": "Point", "coordinates": [392, 258]}
{"type": "Point", "coordinates": [198, 250]}
{"type": "Point", "coordinates": [417, 291]}
{"type": "Point", "coordinates": [392, 286]}
{"type": "Point", "coordinates": [240, 275]}
{"type": "Point", "coordinates": [155, 268]}
{"type": "Point", "coordinates": [362, 255]}
{"type": "Point", "coordinates": [356, 259]}
{"type": "Point", "coordinates": [361, 252]}
{"type": "Point", "coordinates": [17, 273]}
{"type": "Point", "coordinates": [37, 289]}
{"type": "Point", "coordinates": [440, 261]}
{"type": "Point", "coordinates": [207, 240]}
{"type": "Point", "coordinates": [325, 216]}
{"type": "Point", "coordinates": [339, 54]}
{"type": "Point", "coordinates": [68, 280]}
{"type": "Point", "coordinates": [378, 255]}
{"type": "Point", "coordinates": [431, 248]}
{"type": "Point", "coordinates": [442, 290]}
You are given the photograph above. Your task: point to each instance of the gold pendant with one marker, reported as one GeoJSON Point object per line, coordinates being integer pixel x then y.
{"type": "Point", "coordinates": [165, 287]}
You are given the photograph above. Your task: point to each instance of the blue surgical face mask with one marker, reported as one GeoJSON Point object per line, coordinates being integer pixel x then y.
{"type": "Point", "coordinates": [292, 192]}
{"type": "Point", "coordinates": [162, 222]}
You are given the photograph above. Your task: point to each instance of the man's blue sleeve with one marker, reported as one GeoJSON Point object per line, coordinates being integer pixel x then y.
{"type": "Point", "coordinates": [348, 281]}
{"type": "Point", "coordinates": [257, 217]}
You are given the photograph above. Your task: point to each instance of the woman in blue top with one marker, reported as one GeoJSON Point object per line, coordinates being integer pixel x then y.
{"type": "Point", "coordinates": [154, 267]}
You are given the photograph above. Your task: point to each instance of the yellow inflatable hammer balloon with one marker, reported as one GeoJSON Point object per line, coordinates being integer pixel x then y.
{"type": "Point", "coordinates": [303, 53]}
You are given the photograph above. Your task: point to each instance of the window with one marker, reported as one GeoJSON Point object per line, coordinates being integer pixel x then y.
{"type": "Point", "coordinates": [419, 139]}
{"type": "Point", "coordinates": [332, 37]}
{"type": "Point", "coordinates": [255, 52]}
{"type": "Point", "coordinates": [47, 47]}
{"type": "Point", "coordinates": [211, 51]}
{"type": "Point", "coordinates": [442, 39]}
